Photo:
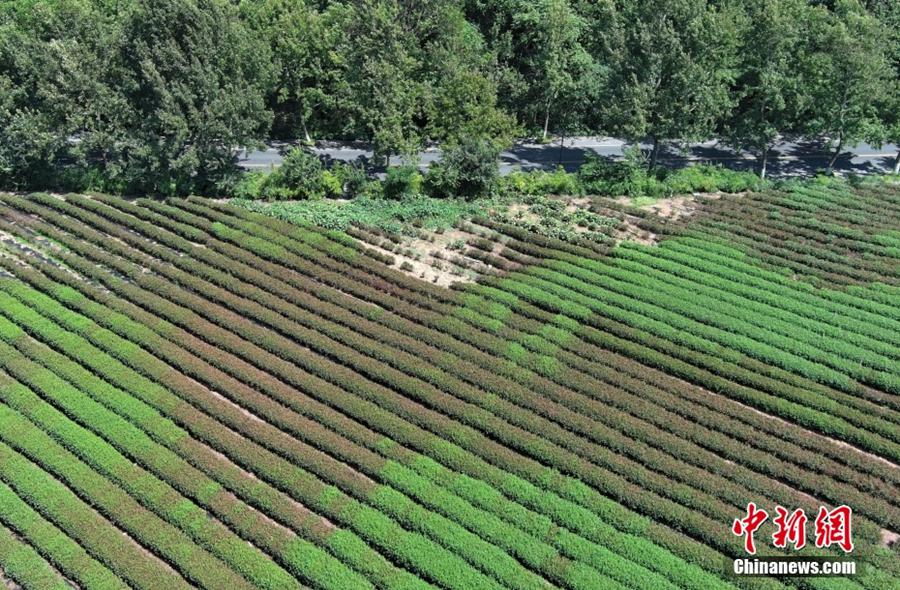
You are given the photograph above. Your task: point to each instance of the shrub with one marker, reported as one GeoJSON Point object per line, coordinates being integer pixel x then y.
{"type": "Point", "coordinates": [301, 174]}
{"type": "Point", "coordinates": [468, 171]}
{"type": "Point", "coordinates": [249, 186]}
{"type": "Point", "coordinates": [603, 176]}
{"type": "Point", "coordinates": [402, 181]}
{"type": "Point", "coordinates": [708, 178]}
{"type": "Point", "coordinates": [352, 177]}
{"type": "Point", "coordinates": [332, 186]}
{"type": "Point", "coordinates": [541, 183]}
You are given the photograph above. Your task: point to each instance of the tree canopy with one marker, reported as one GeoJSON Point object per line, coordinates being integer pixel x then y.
{"type": "Point", "coordinates": [157, 95]}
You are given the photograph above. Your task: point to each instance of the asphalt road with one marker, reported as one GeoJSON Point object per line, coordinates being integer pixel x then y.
{"type": "Point", "coordinates": [791, 158]}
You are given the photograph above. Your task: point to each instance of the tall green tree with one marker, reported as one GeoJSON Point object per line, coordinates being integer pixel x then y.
{"type": "Point", "coordinates": [309, 95]}
{"type": "Point", "coordinates": [56, 109]}
{"type": "Point", "coordinates": [461, 104]}
{"type": "Point", "coordinates": [888, 14]}
{"type": "Point", "coordinates": [549, 58]}
{"type": "Point", "coordinates": [460, 96]}
{"type": "Point", "coordinates": [417, 71]}
{"type": "Point", "coordinates": [673, 70]}
{"type": "Point", "coordinates": [194, 80]}
{"type": "Point", "coordinates": [890, 119]}
{"type": "Point", "coordinates": [552, 57]}
{"type": "Point", "coordinates": [770, 90]}
{"type": "Point", "coordinates": [847, 75]}
{"type": "Point", "coordinates": [141, 96]}
{"type": "Point", "coordinates": [381, 66]}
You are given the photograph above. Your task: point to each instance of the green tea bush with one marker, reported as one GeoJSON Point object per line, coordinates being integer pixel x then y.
{"type": "Point", "coordinates": [24, 565]}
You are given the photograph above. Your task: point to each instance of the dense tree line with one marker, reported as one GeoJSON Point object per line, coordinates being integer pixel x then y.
{"type": "Point", "coordinates": [154, 95]}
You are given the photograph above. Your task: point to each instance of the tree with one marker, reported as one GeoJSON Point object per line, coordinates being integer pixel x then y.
{"type": "Point", "coordinates": [888, 13]}
{"type": "Point", "coordinates": [194, 81]}
{"type": "Point", "coordinates": [460, 97]}
{"type": "Point", "coordinates": [468, 170]}
{"type": "Point", "coordinates": [672, 72]}
{"type": "Point", "coordinates": [770, 92]}
{"type": "Point", "coordinates": [552, 55]}
{"type": "Point", "coordinates": [890, 118]}
{"type": "Point", "coordinates": [548, 52]}
{"type": "Point", "coordinates": [56, 111]}
{"type": "Point", "coordinates": [309, 96]}
{"type": "Point", "coordinates": [461, 104]}
{"type": "Point", "coordinates": [847, 75]}
{"type": "Point", "coordinates": [381, 67]}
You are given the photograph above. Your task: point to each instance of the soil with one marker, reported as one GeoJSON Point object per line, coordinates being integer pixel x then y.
{"type": "Point", "coordinates": [432, 258]}
{"type": "Point", "coordinates": [435, 263]}
{"type": "Point", "coordinates": [889, 538]}
{"type": "Point", "coordinates": [672, 208]}
{"type": "Point", "coordinates": [678, 207]}
{"type": "Point", "coordinates": [574, 204]}
{"type": "Point", "coordinates": [18, 250]}
{"type": "Point", "coordinates": [7, 583]}
{"type": "Point", "coordinates": [523, 210]}
{"type": "Point", "coordinates": [630, 232]}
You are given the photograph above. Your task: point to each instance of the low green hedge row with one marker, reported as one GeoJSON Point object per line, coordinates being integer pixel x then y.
{"type": "Point", "coordinates": [275, 539]}
{"type": "Point", "coordinates": [20, 478]}
{"type": "Point", "coordinates": [26, 567]}
{"type": "Point", "coordinates": [478, 522]}
{"type": "Point", "coordinates": [767, 335]}
{"type": "Point", "coordinates": [630, 314]}
{"type": "Point", "coordinates": [784, 303]}
{"type": "Point", "coordinates": [428, 558]}
{"type": "Point", "coordinates": [581, 355]}
{"type": "Point", "coordinates": [134, 507]}
{"type": "Point", "coordinates": [817, 251]}
{"type": "Point", "coordinates": [839, 302]}
{"type": "Point", "coordinates": [69, 554]}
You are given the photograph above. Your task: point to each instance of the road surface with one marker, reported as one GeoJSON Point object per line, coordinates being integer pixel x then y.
{"type": "Point", "coordinates": [787, 159]}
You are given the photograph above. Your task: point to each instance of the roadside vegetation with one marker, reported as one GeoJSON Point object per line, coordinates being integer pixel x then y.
{"type": "Point", "coordinates": [155, 96]}
{"type": "Point", "coordinates": [465, 185]}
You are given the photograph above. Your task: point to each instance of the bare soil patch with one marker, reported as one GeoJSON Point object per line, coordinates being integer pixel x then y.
{"type": "Point", "coordinates": [440, 257]}
{"type": "Point", "coordinates": [677, 207]}
{"type": "Point", "coordinates": [523, 211]}
{"type": "Point", "coordinates": [670, 208]}
{"type": "Point", "coordinates": [631, 232]}
{"type": "Point", "coordinates": [435, 257]}
{"type": "Point", "coordinates": [7, 583]}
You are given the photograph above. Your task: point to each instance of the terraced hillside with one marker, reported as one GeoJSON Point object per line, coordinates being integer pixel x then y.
{"type": "Point", "coordinates": [193, 395]}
